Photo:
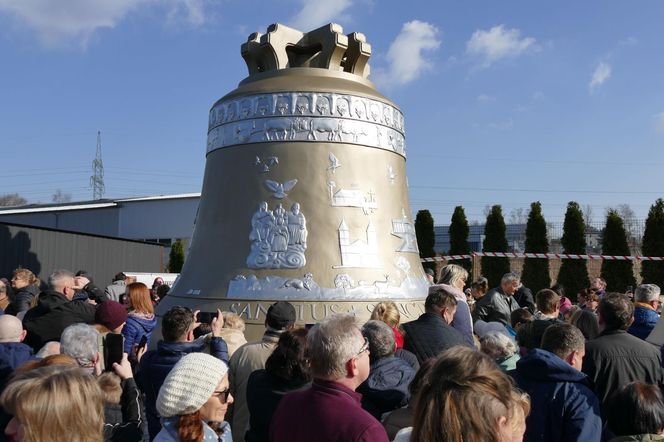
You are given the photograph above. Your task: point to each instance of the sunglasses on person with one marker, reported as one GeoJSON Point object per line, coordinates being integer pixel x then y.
{"type": "Point", "coordinates": [222, 395]}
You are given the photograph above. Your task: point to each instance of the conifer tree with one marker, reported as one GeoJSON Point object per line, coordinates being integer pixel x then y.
{"type": "Point", "coordinates": [494, 268]}
{"type": "Point", "coordinates": [458, 232]}
{"type": "Point", "coordinates": [617, 274]}
{"type": "Point", "coordinates": [535, 273]}
{"type": "Point", "coordinates": [176, 257]}
{"type": "Point", "coordinates": [652, 272]}
{"type": "Point", "coordinates": [426, 237]}
{"type": "Point", "coordinates": [573, 272]}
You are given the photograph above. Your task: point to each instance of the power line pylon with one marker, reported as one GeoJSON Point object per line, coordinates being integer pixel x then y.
{"type": "Point", "coordinates": [97, 178]}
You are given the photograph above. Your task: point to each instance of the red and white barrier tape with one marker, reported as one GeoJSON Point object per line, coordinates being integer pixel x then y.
{"type": "Point", "coordinates": [544, 256]}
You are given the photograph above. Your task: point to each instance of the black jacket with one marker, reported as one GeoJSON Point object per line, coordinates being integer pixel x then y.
{"type": "Point", "coordinates": [615, 358]}
{"type": "Point", "coordinates": [386, 388]}
{"type": "Point", "coordinates": [524, 297]}
{"type": "Point", "coordinates": [495, 306]}
{"type": "Point", "coordinates": [123, 422]}
{"type": "Point", "coordinates": [22, 300]}
{"type": "Point", "coordinates": [429, 335]}
{"type": "Point", "coordinates": [53, 314]}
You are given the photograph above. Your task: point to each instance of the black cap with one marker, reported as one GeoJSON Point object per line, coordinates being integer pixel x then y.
{"type": "Point", "coordinates": [280, 315]}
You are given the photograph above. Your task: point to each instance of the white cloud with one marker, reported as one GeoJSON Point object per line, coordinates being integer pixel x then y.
{"type": "Point", "coordinates": [484, 98]}
{"type": "Point", "coordinates": [659, 122]}
{"type": "Point", "coordinates": [601, 74]}
{"type": "Point", "coordinates": [63, 21]}
{"type": "Point", "coordinates": [406, 58]}
{"type": "Point", "coordinates": [316, 13]}
{"type": "Point", "coordinates": [498, 43]}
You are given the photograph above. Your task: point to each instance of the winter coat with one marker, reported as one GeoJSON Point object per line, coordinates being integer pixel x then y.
{"type": "Point", "coordinates": [53, 314]}
{"type": "Point", "coordinates": [328, 411]}
{"type": "Point", "coordinates": [234, 339]}
{"type": "Point", "coordinates": [115, 290]}
{"type": "Point", "coordinates": [12, 356]}
{"type": "Point", "coordinates": [536, 329]}
{"type": "Point", "coordinates": [463, 321]}
{"type": "Point", "coordinates": [524, 297]}
{"type": "Point", "coordinates": [135, 328]}
{"type": "Point", "coordinates": [645, 319]}
{"type": "Point", "coordinates": [496, 306]}
{"type": "Point", "coordinates": [615, 358]}
{"type": "Point", "coordinates": [264, 392]}
{"type": "Point", "coordinates": [156, 364]}
{"type": "Point", "coordinates": [386, 388]}
{"type": "Point", "coordinates": [564, 408]}
{"type": "Point", "coordinates": [22, 300]}
{"type": "Point", "coordinates": [429, 335]}
{"type": "Point", "coordinates": [124, 422]}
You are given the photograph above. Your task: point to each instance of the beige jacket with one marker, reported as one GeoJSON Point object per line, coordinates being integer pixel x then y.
{"type": "Point", "coordinates": [234, 339]}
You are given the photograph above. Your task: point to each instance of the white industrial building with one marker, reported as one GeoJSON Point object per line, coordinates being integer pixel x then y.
{"type": "Point", "coordinates": [161, 219]}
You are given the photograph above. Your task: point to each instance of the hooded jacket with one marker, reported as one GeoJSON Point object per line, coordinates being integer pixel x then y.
{"type": "Point", "coordinates": [386, 388]}
{"type": "Point", "coordinates": [12, 355]}
{"type": "Point", "coordinates": [53, 314]}
{"type": "Point", "coordinates": [645, 319]}
{"type": "Point", "coordinates": [135, 328]}
{"type": "Point", "coordinates": [564, 408]}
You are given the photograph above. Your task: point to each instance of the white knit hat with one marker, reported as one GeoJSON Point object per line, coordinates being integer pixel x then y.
{"type": "Point", "coordinates": [190, 384]}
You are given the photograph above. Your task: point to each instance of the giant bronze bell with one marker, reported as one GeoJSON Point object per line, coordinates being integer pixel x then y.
{"type": "Point", "coordinates": [305, 196]}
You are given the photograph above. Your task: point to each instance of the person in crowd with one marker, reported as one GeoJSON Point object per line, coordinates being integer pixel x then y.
{"type": "Point", "coordinates": [88, 291]}
{"type": "Point", "coordinates": [564, 406]}
{"type": "Point", "coordinates": [582, 297]}
{"type": "Point", "coordinates": [162, 291]}
{"type": "Point", "coordinates": [403, 417]}
{"type": "Point", "coordinates": [548, 309]}
{"type": "Point", "coordinates": [524, 297]}
{"type": "Point", "coordinates": [519, 318]}
{"type": "Point", "coordinates": [388, 312]}
{"type": "Point", "coordinates": [80, 341]}
{"type": "Point", "coordinates": [615, 357]}
{"type": "Point", "coordinates": [499, 347]}
{"type": "Point", "coordinates": [646, 302]}
{"type": "Point", "coordinates": [569, 313]}
{"type": "Point", "coordinates": [4, 297]}
{"type": "Point", "coordinates": [429, 273]}
{"type": "Point", "coordinates": [331, 409]}
{"type": "Point", "coordinates": [454, 277]}
{"type": "Point", "coordinates": [53, 403]}
{"type": "Point", "coordinates": [57, 359]}
{"type": "Point", "coordinates": [251, 357]}
{"type": "Point", "coordinates": [431, 333]}
{"type": "Point", "coordinates": [177, 328]}
{"type": "Point", "coordinates": [635, 413]}
{"type": "Point", "coordinates": [286, 370]}
{"type": "Point", "coordinates": [26, 289]}
{"type": "Point", "coordinates": [49, 349]}
{"type": "Point", "coordinates": [386, 388]}
{"type": "Point", "coordinates": [233, 332]}
{"type": "Point", "coordinates": [598, 285]}
{"type": "Point", "coordinates": [479, 288]}
{"type": "Point", "coordinates": [194, 399]}
{"type": "Point", "coordinates": [123, 416]}
{"type": "Point", "coordinates": [117, 287]}
{"type": "Point", "coordinates": [499, 303]}
{"type": "Point", "coordinates": [56, 310]}
{"type": "Point", "coordinates": [154, 290]}
{"type": "Point", "coordinates": [141, 320]}
{"type": "Point", "coordinates": [110, 317]}
{"type": "Point", "coordinates": [13, 352]}
{"type": "Point", "coordinates": [565, 302]}
{"type": "Point", "coordinates": [467, 397]}
{"type": "Point", "coordinates": [592, 302]}
{"type": "Point", "coordinates": [586, 321]}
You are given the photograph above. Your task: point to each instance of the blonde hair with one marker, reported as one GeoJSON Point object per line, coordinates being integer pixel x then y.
{"type": "Point", "coordinates": [53, 401]}
{"type": "Point", "coordinates": [452, 273]}
{"type": "Point", "coordinates": [387, 312]}
{"type": "Point", "coordinates": [111, 387]}
{"type": "Point", "coordinates": [28, 276]}
{"type": "Point", "coordinates": [139, 297]}
{"type": "Point", "coordinates": [233, 320]}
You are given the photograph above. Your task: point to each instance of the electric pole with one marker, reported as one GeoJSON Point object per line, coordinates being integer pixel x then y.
{"type": "Point", "coordinates": [97, 178]}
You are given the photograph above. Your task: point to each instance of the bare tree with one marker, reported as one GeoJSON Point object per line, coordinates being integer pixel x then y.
{"type": "Point", "coordinates": [629, 219]}
{"type": "Point", "coordinates": [60, 197]}
{"type": "Point", "coordinates": [12, 199]}
{"type": "Point", "coordinates": [518, 216]}
{"type": "Point", "coordinates": [588, 215]}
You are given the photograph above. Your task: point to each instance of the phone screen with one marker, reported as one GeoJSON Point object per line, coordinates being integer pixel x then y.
{"type": "Point", "coordinates": [113, 349]}
{"type": "Point", "coordinates": [206, 317]}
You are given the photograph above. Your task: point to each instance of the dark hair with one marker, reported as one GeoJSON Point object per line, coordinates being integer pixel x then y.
{"type": "Point", "coordinates": [524, 336]}
{"type": "Point", "coordinates": [416, 384]}
{"type": "Point", "coordinates": [559, 288]}
{"type": "Point", "coordinates": [482, 285]}
{"type": "Point", "coordinates": [438, 299]}
{"type": "Point", "coordinates": [616, 311]}
{"type": "Point", "coordinates": [547, 301]}
{"type": "Point", "coordinates": [289, 360]}
{"type": "Point", "coordinates": [176, 322]}
{"type": "Point", "coordinates": [520, 316]}
{"type": "Point", "coordinates": [586, 321]}
{"type": "Point", "coordinates": [635, 408]}
{"type": "Point", "coordinates": [202, 330]}
{"type": "Point", "coordinates": [562, 339]}
{"type": "Point", "coordinates": [119, 277]}
{"type": "Point", "coordinates": [162, 290]}
{"type": "Point", "coordinates": [85, 274]}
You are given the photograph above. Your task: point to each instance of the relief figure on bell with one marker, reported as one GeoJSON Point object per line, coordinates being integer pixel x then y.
{"type": "Point", "coordinates": [297, 226]}
{"type": "Point", "coordinates": [261, 223]}
{"type": "Point", "coordinates": [323, 106]}
{"type": "Point", "coordinates": [283, 105]}
{"type": "Point", "coordinates": [342, 107]}
{"type": "Point", "coordinates": [302, 105]}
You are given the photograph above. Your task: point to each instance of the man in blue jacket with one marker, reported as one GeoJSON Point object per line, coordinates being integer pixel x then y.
{"type": "Point", "coordinates": [13, 352]}
{"type": "Point", "coordinates": [646, 301]}
{"type": "Point", "coordinates": [564, 408]}
{"type": "Point", "coordinates": [177, 328]}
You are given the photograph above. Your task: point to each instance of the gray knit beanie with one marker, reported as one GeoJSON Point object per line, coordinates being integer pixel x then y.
{"type": "Point", "coordinates": [190, 384]}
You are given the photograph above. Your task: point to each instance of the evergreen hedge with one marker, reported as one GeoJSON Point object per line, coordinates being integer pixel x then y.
{"type": "Point", "coordinates": [573, 272]}
{"type": "Point", "coordinates": [617, 274]}
{"type": "Point", "coordinates": [535, 273]}
{"type": "Point", "coordinates": [495, 241]}
{"type": "Point", "coordinates": [652, 272]}
{"type": "Point", "coordinates": [459, 238]}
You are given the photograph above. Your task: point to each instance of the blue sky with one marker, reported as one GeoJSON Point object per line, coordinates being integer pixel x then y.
{"type": "Point", "coordinates": [505, 102]}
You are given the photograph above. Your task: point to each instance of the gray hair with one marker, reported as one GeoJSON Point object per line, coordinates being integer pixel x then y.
{"type": "Point", "coordinates": [56, 279]}
{"type": "Point", "coordinates": [332, 343]}
{"type": "Point", "coordinates": [451, 273]}
{"type": "Point", "coordinates": [381, 339]}
{"type": "Point", "coordinates": [80, 342]}
{"type": "Point", "coordinates": [647, 293]}
{"type": "Point", "coordinates": [497, 345]}
{"type": "Point", "coordinates": [510, 277]}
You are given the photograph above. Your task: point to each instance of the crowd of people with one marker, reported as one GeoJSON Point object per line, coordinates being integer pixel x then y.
{"type": "Point", "coordinates": [480, 364]}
